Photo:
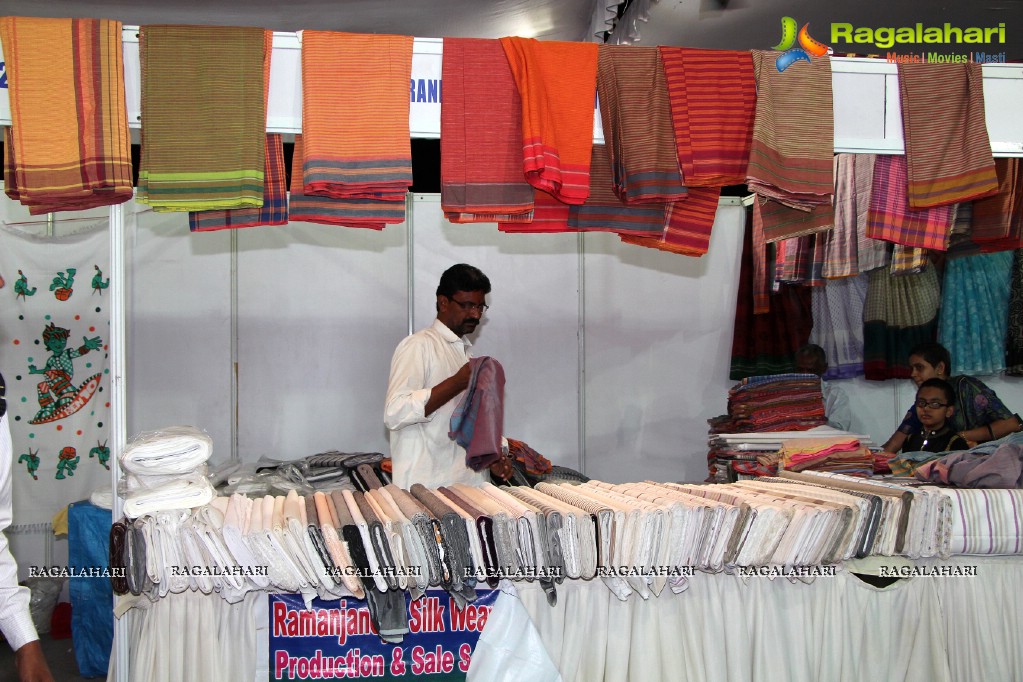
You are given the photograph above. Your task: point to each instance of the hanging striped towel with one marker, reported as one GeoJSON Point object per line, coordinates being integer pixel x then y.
{"type": "Point", "coordinates": [275, 198]}
{"type": "Point", "coordinates": [945, 129]}
{"type": "Point", "coordinates": [890, 216]}
{"type": "Point", "coordinates": [355, 128]}
{"type": "Point", "coordinates": [793, 132]}
{"type": "Point", "coordinates": [204, 135]}
{"type": "Point", "coordinates": [713, 97]}
{"type": "Point", "coordinates": [557, 82]}
{"type": "Point", "coordinates": [68, 148]}
{"type": "Point", "coordinates": [481, 177]}
{"type": "Point", "coordinates": [352, 212]}
{"type": "Point", "coordinates": [636, 117]}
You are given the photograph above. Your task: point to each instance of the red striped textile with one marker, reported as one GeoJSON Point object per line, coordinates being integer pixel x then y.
{"type": "Point", "coordinates": [481, 178]}
{"type": "Point", "coordinates": [68, 148]}
{"type": "Point", "coordinates": [636, 118]}
{"type": "Point", "coordinates": [997, 223]}
{"type": "Point", "coordinates": [549, 215]}
{"type": "Point", "coordinates": [351, 212]}
{"type": "Point", "coordinates": [355, 129]}
{"type": "Point", "coordinates": [793, 132]}
{"type": "Point", "coordinates": [557, 82]}
{"type": "Point", "coordinates": [944, 125]}
{"type": "Point", "coordinates": [688, 226]}
{"type": "Point", "coordinates": [713, 95]}
{"type": "Point", "coordinates": [275, 198]}
{"type": "Point", "coordinates": [890, 216]}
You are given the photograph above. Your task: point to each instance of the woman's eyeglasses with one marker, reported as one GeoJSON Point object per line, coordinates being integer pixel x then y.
{"type": "Point", "coordinates": [933, 404]}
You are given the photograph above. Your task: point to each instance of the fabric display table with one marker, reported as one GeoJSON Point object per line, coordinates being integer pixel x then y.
{"type": "Point", "coordinates": [722, 628]}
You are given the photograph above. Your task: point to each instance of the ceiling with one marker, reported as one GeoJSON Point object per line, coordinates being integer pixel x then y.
{"type": "Point", "coordinates": [724, 24]}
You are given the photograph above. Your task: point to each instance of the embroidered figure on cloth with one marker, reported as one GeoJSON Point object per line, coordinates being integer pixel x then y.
{"type": "Point", "coordinates": [58, 396]}
{"type": "Point", "coordinates": [102, 453]}
{"type": "Point", "coordinates": [98, 283]}
{"type": "Point", "coordinates": [67, 462]}
{"type": "Point", "coordinates": [61, 284]}
{"type": "Point", "coordinates": [31, 460]}
{"type": "Point", "coordinates": [21, 288]}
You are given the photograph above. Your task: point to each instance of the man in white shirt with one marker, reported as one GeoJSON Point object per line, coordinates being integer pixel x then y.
{"type": "Point", "coordinates": [811, 359]}
{"type": "Point", "coordinates": [429, 373]}
{"type": "Point", "coordinates": [15, 617]}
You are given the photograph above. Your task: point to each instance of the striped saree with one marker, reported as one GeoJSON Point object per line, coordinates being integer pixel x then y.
{"type": "Point", "coordinates": [203, 145]}
{"type": "Point", "coordinates": [355, 128]}
{"type": "Point", "coordinates": [556, 83]}
{"type": "Point", "coordinates": [481, 177]}
{"type": "Point", "coordinates": [945, 129]}
{"type": "Point", "coordinates": [68, 148]}
{"type": "Point", "coordinates": [891, 218]}
{"type": "Point", "coordinates": [713, 96]}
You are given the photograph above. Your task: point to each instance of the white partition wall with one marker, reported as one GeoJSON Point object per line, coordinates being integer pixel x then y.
{"type": "Point", "coordinates": [320, 308]}
{"type": "Point", "coordinates": [658, 345]}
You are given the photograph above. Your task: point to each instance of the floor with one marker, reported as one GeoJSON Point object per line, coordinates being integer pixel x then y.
{"type": "Point", "coordinates": [59, 655]}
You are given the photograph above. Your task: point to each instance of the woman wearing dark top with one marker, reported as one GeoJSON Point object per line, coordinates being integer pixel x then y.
{"type": "Point", "coordinates": [979, 414]}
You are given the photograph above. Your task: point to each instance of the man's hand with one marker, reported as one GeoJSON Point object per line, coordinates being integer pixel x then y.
{"type": "Point", "coordinates": [502, 469]}
{"type": "Point", "coordinates": [31, 664]}
{"type": "Point", "coordinates": [462, 377]}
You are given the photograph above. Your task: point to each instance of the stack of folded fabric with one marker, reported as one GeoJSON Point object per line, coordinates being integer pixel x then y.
{"type": "Point", "coordinates": [840, 455]}
{"type": "Point", "coordinates": [781, 402]}
{"type": "Point", "coordinates": [772, 403]}
{"type": "Point", "coordinates": [165, 470]}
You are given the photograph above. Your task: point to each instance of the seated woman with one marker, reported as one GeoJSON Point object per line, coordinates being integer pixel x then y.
{"type": "Point", "coordinates": [935, 405]}
{"type": "Point", "coordinates": [979, 415]}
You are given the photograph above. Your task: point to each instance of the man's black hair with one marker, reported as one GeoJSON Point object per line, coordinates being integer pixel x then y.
{"type": "Point", "coordinates": [462, 277]}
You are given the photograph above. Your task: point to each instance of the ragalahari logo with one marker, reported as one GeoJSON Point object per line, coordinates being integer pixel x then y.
{"type": "Point", "coordinates": [807, 45]}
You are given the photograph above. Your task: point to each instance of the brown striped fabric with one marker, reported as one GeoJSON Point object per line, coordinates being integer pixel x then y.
{"type": "Point", "coordinates": [636, 117]}
{"type": "Point", "coordinates": [784, 222]}
{"type": "Point", "coordinates": [997, 223]}
{"type": "Point", "coordinates": [355, 123]}
{"type": "Point", "coordinates": [713, 95]}
{"type": "Point", "coordinates": [481, 178]}
{"type": "Point", "coordinates": [204, 140]}
{"type": "Point", "coordinates": [947, 146]}
{"type": "Point", "coordinates": [604, 210]}
{"type": "Point", "coordinates": [68, 148]}
{"type": "Point", "coordinates": [793, 132]}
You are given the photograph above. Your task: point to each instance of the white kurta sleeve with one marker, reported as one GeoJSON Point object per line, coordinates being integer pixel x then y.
{"type": "Point", "coordinates": [15, 618]}
{"type": "Point", "coordinates": [407, 392]}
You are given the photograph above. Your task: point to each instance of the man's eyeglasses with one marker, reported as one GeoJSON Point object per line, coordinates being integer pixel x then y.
{"type": "Point", "coordinates": [933, 404]}
{"type": "Point", "coordinates": [469, 306]}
